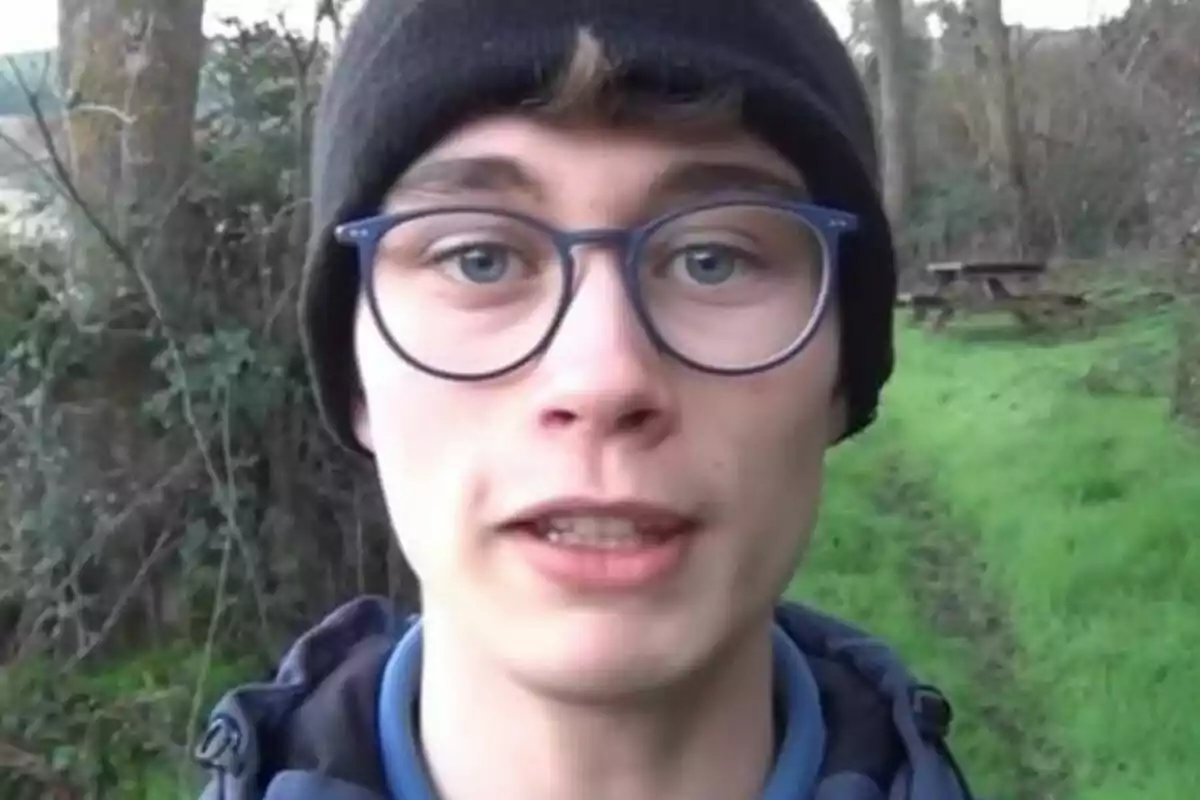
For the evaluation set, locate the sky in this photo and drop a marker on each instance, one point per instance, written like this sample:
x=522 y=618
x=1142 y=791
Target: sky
x=35 y=26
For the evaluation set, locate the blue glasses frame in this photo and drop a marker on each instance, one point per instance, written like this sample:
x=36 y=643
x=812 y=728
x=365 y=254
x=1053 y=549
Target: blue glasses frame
x=830 y=224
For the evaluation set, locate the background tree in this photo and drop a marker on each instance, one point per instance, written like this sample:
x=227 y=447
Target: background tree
x=164 y=483
x=129 y=70
x=897 y=108
x=1008 y=146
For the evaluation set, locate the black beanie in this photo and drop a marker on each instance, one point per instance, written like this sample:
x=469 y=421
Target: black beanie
x=410 y=71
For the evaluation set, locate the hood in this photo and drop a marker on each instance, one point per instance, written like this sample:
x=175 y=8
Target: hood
x=310 y=734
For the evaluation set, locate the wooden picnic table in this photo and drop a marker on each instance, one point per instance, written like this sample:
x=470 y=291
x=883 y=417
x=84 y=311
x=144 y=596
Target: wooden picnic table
x=1014 y=287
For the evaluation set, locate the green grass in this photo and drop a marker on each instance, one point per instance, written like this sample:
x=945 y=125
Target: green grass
x=1081 y=506
x=121 y=726
x=860 y=568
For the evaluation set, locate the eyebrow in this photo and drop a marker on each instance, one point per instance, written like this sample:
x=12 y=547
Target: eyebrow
x=447 y=176
x=693 y=180
x=688 y=180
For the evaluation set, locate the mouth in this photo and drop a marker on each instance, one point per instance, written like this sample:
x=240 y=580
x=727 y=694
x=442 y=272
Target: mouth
x=607 y=546
x=601 y=525
x=603 y=532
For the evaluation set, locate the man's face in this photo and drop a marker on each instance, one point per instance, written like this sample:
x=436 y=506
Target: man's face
x=602 y=422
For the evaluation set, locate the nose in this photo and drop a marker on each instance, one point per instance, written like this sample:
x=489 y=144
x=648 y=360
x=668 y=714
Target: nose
x=602 y=378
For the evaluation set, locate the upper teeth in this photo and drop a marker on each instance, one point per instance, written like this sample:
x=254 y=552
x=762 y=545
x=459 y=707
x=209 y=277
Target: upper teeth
x=606 y=532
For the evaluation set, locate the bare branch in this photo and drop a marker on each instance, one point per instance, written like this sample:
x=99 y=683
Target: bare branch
x=331 y=10
x=209 y=641
x=107 y=527
x=32 y=161
x=162 y=549
x=19 y=75
x=63 y=174
x=98 y=108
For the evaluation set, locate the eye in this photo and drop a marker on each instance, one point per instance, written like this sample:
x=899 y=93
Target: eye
x=479 y=263
x=708 y=265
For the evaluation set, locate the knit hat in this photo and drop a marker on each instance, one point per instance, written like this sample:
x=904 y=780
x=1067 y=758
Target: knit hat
x=410 y=71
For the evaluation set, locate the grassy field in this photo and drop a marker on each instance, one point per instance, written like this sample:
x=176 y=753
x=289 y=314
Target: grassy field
x=1019 y=527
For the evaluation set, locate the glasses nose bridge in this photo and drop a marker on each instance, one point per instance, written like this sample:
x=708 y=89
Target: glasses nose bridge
x=623 y=243
x=619 y=240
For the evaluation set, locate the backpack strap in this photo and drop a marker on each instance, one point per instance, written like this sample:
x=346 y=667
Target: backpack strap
x=860 y=736
x=882 y=722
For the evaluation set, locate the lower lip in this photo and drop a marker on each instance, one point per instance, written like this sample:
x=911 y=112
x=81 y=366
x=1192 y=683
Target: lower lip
x=600 y=569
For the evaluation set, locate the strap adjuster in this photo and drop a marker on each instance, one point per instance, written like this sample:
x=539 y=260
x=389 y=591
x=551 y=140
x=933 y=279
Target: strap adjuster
x=221 y=747
x=932 y=712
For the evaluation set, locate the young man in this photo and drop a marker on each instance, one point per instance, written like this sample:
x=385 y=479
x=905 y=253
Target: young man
x=596 y=285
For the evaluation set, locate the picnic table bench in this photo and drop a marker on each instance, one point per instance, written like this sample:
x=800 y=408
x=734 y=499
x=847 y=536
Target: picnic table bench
x=1013 y=287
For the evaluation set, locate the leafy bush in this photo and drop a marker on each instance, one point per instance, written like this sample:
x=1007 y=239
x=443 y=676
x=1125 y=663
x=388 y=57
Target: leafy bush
x=114 y=729
x=164 y=482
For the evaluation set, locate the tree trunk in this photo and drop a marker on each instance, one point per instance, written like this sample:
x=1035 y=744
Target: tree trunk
x=131 y=71
x=91 y=56
x=1185 y=398
x=896 y=109
x=1008 y=149
x=165 y=47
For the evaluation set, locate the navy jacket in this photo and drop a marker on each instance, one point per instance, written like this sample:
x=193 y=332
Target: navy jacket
x=311 y=733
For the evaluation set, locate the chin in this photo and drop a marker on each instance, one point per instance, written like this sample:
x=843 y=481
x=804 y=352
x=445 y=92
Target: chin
x=607 y=679
x=607 y=658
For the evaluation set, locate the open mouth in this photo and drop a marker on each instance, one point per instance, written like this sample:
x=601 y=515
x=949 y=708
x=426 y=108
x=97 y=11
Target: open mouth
x=605 y=551
x=603 y=533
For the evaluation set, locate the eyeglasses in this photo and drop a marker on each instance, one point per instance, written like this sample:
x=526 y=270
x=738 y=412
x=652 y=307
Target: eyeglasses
x=470 y=293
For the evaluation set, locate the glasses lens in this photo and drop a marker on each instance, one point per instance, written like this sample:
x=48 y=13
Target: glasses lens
x=733 y=286
x=467 y=293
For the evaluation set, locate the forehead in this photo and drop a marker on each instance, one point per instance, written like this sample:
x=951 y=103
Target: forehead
x=544 y=161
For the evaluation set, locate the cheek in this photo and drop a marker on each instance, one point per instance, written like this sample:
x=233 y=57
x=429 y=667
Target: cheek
x=793 y=407
x=412 y=420
x=804 y=400
x=424 y=434
x=771 y=439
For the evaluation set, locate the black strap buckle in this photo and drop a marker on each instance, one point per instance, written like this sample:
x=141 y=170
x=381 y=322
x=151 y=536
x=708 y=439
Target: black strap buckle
x=932 y=712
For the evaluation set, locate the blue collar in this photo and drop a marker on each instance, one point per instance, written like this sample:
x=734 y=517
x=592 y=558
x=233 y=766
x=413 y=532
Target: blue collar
x=793 y=777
